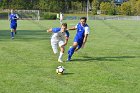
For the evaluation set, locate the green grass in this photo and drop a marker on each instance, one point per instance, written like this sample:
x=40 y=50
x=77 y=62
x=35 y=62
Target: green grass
x=109 y=63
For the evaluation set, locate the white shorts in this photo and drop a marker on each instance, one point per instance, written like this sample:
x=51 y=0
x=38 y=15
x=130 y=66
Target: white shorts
x=55 y=44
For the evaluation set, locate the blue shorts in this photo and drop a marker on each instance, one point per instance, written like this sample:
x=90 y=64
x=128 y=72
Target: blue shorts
x=13 y=26
x=79 y=41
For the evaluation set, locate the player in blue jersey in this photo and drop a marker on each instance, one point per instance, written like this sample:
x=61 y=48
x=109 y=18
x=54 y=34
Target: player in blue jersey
x=60 y=37
x=13 y=23
x=80 y=37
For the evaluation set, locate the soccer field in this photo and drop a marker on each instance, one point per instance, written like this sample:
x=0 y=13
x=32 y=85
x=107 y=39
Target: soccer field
x=109 y=63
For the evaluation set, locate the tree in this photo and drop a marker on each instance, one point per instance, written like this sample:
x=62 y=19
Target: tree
x=105 y=7
x=133 y=7
x=95 y=6
x=138 y=7
x=43 y=5
x=16 y=4
x=5 y=4
x=126 y=8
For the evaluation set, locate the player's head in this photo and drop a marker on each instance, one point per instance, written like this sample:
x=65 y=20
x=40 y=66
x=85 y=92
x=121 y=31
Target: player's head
x=83 y=20
x=64 y=27
x=12 y=11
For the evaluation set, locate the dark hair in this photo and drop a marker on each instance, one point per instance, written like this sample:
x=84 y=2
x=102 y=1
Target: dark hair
x=64 y=24
x=83 y=18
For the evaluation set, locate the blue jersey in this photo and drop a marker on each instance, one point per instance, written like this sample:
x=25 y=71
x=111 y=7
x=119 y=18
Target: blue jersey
x=12 y=18
x=81 y=31
x=13 y=21
x=58 y=35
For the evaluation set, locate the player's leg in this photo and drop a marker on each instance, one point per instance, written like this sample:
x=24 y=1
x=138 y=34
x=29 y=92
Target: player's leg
x=15 y=27
x=62 y=49
x=54 y=46
x=71 y=50
x=79 y=46
x=12 y=31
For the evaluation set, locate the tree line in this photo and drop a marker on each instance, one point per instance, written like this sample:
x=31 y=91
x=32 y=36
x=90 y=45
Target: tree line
x=107 y=7
x=131 y=8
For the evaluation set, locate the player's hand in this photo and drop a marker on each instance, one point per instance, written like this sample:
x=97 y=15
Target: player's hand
x=64 y=44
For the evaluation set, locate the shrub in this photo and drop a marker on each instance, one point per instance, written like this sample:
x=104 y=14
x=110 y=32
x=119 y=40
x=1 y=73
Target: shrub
x=49 y=16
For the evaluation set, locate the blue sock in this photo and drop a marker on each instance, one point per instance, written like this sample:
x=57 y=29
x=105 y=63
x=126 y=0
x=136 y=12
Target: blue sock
x=12 y=34
x=70 y=52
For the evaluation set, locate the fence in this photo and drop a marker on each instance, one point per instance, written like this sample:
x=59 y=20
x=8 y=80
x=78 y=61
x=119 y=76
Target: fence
x=104 y=18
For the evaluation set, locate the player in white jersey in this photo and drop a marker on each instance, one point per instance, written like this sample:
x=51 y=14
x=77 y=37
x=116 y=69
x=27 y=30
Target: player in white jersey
x=60 y=37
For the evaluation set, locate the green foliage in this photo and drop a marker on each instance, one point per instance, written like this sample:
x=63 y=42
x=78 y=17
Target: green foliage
x=43 y=5
x=126 y=8
x=49 y=16
x=105 y=7
x=137 y=7
x=131 y=7
x=95 y=5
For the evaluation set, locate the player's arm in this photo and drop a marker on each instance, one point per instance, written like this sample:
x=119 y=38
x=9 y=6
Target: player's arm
x=66 y=41
x=66 y=38
x=49 y=30
x=17 y=17
x=85 y=36
x=85 y=40
x=73 y=28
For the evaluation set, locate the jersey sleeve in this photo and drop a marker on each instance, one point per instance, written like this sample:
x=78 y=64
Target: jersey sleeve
x=67 y=34
x=76 y=26
x=87 y=30
x=17 y=16
x=55 y=30
x=11 y=17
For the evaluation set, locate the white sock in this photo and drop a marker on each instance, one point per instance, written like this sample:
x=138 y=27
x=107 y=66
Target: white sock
x=60 y=55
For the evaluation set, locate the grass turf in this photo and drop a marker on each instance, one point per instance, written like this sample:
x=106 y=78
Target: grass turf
x=109 y=63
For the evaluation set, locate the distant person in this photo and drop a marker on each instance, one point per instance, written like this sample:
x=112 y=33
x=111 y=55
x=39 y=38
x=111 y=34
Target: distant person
x=59 y=38
x=13 y=17
x=57 y=16
x=61 y=17
x=80 y=37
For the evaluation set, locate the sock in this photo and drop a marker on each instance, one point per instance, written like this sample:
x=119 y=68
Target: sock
x=12 y=34
x=70 y=52
x=60 y=55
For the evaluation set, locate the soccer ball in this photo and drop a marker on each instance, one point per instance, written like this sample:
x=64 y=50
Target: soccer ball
x=60 y=70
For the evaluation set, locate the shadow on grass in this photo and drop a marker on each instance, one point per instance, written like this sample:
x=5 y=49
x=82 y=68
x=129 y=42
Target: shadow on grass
x=68 y=73
x=25 y=35
x=113 y=58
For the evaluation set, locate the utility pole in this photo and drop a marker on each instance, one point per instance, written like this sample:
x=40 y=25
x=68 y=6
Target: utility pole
x=87 y=8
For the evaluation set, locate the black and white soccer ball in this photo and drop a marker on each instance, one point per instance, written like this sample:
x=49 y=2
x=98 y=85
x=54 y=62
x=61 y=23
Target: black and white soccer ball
x=60 y=70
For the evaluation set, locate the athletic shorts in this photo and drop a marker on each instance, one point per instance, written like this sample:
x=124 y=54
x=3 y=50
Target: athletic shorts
x=55 y=45
x=79 y=41
x=13 y=26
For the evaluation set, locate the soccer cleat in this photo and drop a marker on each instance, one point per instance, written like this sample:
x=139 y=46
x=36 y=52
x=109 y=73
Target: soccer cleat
x=68 y=60
x=12 y=37
x=59 y=60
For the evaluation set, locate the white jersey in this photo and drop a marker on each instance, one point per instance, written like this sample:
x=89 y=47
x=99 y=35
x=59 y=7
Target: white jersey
x=58 y=38
x=58 y=35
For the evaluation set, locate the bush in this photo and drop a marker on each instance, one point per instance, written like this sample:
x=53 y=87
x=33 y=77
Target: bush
x=49 y=16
